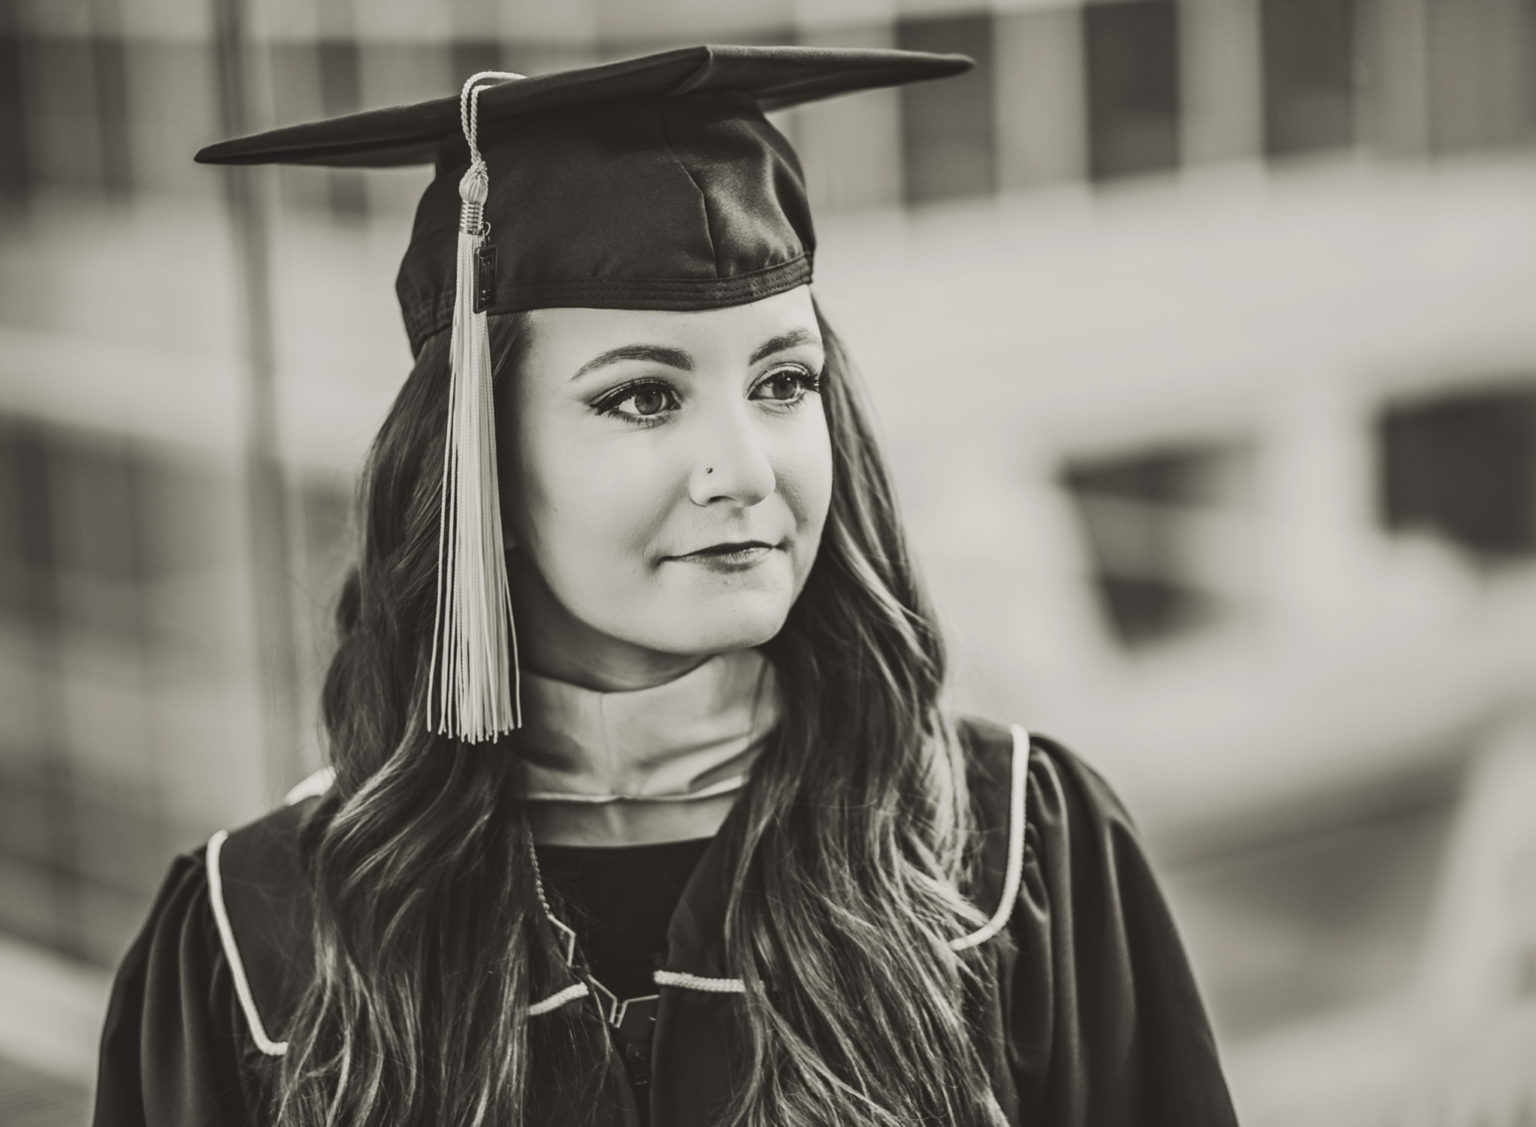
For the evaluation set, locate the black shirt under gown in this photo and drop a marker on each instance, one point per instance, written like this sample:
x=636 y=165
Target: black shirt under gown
x=619 y=900
x=1093 y=1019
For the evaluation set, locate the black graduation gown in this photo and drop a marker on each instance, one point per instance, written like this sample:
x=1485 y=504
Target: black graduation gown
x=1092 y=1018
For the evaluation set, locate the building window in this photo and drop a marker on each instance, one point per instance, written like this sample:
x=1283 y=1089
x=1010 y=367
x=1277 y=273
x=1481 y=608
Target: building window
x=1133 y=87
x=58 y=94
x=1309 y=63
x=1463 y=466
x=26 y=533
x=949 y=129
x=471 y=56
x=1169 y=534
x=1041 y=98
x=1482 y=54
x=113 y=112
x=341 y=93
x=15 y=175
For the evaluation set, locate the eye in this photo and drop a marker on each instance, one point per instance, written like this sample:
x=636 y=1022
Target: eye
x=787 y=386
x=651 y=401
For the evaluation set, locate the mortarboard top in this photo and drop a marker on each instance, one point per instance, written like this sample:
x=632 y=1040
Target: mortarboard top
x=774 y=77
x=650 y=183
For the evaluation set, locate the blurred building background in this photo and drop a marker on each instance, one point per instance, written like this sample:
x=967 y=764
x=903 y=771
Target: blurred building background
x=1203 y=334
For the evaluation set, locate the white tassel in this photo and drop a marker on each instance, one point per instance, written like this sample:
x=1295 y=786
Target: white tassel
x=474 y=679
x=474 y=641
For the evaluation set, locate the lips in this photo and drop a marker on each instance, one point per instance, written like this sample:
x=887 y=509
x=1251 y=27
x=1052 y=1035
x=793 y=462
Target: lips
x=725 y=548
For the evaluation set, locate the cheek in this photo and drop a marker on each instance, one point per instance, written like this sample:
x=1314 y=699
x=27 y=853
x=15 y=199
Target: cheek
x=593 y=511
x=804 y=476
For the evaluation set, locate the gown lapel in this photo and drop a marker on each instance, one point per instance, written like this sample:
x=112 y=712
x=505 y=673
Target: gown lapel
x=699 y=1045
x=700 y=1048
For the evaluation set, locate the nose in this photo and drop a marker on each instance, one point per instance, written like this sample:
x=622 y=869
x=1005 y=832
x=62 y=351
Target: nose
x=730 y=462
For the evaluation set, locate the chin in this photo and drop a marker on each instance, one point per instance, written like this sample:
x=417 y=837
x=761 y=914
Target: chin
x=716 y=626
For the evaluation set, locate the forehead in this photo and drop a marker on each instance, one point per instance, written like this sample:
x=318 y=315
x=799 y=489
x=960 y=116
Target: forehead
x=569 y=335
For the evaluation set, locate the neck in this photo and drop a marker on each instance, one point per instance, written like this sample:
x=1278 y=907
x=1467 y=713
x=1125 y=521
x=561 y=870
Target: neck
x=636 y=766
x=606 y=670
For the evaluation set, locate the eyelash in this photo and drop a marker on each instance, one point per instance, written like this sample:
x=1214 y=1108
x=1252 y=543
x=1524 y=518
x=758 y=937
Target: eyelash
x=808 y=381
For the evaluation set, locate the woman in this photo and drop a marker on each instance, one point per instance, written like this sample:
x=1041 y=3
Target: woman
x=691 y=840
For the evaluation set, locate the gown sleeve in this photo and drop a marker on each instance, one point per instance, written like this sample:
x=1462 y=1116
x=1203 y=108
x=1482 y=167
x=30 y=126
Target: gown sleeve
x=1109 y=1029
x=174 y=1042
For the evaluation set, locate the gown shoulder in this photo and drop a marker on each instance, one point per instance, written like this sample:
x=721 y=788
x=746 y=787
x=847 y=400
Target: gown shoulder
x=192 y=1026
x=1101 y=1019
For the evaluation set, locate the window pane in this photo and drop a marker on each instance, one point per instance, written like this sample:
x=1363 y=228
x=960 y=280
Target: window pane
x=62 y=127
x=1170 y=535
x=1482 y=56
x=1133 y=87
x=1042 y=120
x=340 y=93
x=949 y=132
x=1464 y=467
x=14 y=172
x=114 y=112
x=27 y=547
x=1309 y=98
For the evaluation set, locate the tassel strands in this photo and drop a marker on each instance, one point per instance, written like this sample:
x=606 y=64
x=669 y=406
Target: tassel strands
x=472 y=691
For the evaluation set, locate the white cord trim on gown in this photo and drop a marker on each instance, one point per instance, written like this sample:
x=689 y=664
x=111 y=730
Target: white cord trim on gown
x=688 y=981
x=1012 y=877
x=232 y=952
x=555 y=1001
x=1015 y=871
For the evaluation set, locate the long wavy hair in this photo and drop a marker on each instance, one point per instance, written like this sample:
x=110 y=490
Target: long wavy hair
x=851 y=866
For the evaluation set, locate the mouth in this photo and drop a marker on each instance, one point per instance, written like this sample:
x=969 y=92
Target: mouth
x=729 y=548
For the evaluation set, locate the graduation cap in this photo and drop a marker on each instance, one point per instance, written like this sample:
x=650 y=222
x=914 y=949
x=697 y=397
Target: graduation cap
x=650 y=183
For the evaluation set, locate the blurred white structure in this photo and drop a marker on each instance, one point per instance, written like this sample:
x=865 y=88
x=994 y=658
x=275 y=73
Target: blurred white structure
x=1457 y=1047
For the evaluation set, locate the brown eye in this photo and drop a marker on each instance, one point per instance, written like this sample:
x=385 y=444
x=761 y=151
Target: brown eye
x=783 y=384
x=643 y=403
x=649 y=401
x=787 y=385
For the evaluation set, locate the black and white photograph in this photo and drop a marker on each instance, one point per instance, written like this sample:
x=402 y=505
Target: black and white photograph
x=767 y=563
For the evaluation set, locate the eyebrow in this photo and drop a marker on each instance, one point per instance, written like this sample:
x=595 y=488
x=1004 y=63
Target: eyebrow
x=791 y=339
x=655 y=353
x=677 y=358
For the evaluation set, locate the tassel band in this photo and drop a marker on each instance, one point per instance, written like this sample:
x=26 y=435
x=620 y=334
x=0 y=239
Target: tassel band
x=473 y=190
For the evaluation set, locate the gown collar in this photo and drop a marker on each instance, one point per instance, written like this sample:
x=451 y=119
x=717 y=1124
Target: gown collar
x=647 y=765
